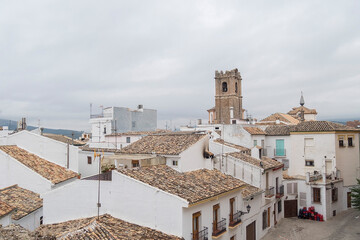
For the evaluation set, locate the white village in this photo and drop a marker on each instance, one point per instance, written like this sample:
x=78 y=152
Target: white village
x=230 y=177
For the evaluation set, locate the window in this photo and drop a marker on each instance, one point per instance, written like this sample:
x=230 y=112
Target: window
x=215 y=217
x=175 y=162
x=41 y=220
x=233 y=121
x=89 y=159
x=133 y=124
x=350 y=142
x=316 y=195
x=128 y=139
x=232 y=201
x=279 y=207
x=334 y=194
x=280 y=147
x=341 y=141
x=255 y=143
x=196 y=225
x=104 y=130
x=224 y=87
x=135 y=163
x=236 y=88
x=292 y=188
x=309 y=163
x=303 y=199
x=286 y=163
x=264 y=219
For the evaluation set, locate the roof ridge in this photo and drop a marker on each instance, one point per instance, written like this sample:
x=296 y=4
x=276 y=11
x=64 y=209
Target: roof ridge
x=6 y=188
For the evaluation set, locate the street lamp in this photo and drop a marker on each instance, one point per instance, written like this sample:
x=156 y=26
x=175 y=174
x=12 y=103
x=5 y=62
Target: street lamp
x=248 y=207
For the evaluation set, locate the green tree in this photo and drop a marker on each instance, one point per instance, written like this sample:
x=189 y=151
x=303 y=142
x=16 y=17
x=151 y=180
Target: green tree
x=355 y=195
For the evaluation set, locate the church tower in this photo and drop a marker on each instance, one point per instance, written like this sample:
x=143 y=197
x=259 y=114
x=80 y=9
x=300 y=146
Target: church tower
x=228 y=98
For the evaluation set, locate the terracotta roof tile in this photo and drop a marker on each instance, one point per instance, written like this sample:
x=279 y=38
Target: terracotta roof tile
x=265 y=162
x=141 y=133
x=5 y=208
x=281 y=117
x=321 y=126
x=107 y=227
x=192 y=186
x=48 y=170
x=25 y=201
x=276 y=130
x=64 y=139
x=168 y=144
x=296 y=110
x=254 y=130
x=235 y=146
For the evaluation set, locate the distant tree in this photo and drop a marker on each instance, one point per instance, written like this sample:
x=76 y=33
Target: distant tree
x=355 y=195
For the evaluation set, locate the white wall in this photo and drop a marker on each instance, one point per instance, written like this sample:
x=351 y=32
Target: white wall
x=193 y=158
x=47 y=148
x=5 y=220
x=76 y=200
x=86 y=169
x=236 y=134
x=31 y=221
x=13 y=172
x=136 y=202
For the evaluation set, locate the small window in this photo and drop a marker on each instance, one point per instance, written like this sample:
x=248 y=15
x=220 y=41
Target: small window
x=316 y=195
x=341 y=141
x=89 y=159
x=233 y=121
x=41 y=220
x=309 y=163
x=236 y=87
x=255 y=143
x=104 y=130
x=286 y=163
x=350 y=142
x=279 y=207
x=217 y=128
x=128 y=139
x=334 y=213
x=133 y=124
x=224 y=87
x=334 y=194
x=175 y=162
x=135 y=163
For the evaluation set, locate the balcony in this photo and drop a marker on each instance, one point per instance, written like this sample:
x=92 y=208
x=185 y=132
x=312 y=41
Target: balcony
x=280 y=191
x=202 y=235
x=219 y=228
x=235 y=219
x=269 y=192
x=280 y=152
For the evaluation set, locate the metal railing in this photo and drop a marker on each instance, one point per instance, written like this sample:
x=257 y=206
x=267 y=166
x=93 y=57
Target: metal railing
x=219 y=227
x=269 y=192
x=235 y=218
x=280 y=152
x=280 y=191
x=202 y=235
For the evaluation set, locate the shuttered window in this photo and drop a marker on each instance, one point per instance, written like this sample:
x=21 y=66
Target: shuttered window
x=264 y=216
x=316 y=195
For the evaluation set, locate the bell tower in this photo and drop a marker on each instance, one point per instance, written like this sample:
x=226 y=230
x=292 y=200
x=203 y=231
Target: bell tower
x=228 y=98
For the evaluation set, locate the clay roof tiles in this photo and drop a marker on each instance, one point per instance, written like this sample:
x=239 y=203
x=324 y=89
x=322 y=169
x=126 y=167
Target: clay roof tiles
x=193 y=186
x=281 y=117
x=278 y=130
x=64 y=139
x=235 y=146
x=5 y=208
x=25 y=201
x=141 y=133
x=167 y=144
x=321 y=126
x=306 y=110
x=50 y=171
x=265 y=162
x=107 y=227
x=254 y=130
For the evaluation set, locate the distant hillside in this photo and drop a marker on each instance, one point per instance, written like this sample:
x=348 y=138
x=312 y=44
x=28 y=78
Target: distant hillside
x=13 y=124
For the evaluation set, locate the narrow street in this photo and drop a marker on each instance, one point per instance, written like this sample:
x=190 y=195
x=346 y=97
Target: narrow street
x=346 y=225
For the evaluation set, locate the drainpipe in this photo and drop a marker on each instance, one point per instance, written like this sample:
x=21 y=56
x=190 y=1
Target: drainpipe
x=68 y=155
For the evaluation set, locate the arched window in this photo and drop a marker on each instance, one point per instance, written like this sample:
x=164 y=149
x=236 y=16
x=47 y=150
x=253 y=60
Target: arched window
x=236 y=87
x=224 y=87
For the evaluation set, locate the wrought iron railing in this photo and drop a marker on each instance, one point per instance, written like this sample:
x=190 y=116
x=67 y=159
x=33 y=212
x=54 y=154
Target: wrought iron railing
x=219 y=227
x=269 y=192
x=202 y=235
x=235 y=218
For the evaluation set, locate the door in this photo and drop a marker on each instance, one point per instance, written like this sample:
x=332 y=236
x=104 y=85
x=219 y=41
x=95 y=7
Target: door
x=268 y=216
x=275 y=214
x=349 y=199
x=251 y=231
x=215 y=217
x=280 y=149
x=267 y=180
x=290 y=208
x=232 y=200
x=196 y=225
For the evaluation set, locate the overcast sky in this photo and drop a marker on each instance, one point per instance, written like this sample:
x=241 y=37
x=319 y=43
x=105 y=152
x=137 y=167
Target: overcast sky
x=57 y=57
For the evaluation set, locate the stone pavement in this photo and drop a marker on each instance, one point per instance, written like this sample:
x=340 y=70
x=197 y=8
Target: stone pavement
x=345 y=225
